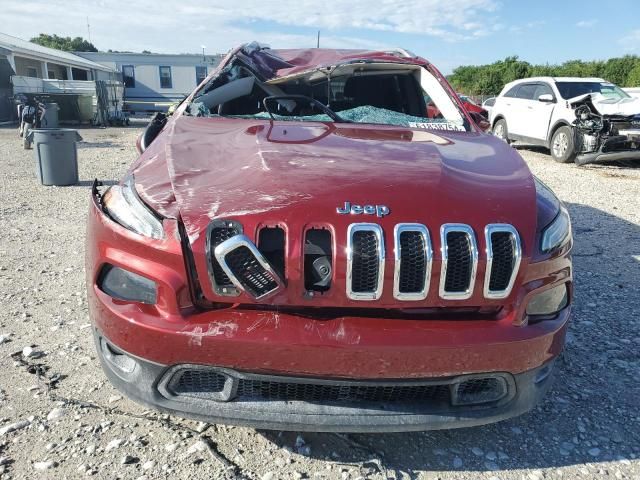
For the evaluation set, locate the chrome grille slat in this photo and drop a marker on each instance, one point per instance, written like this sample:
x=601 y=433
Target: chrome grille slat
x=413 y=256
x=247 y=268
x=504 y=254
x=458 y=274
x=365 y=261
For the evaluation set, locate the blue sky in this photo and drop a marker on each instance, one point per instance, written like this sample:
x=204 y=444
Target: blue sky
x=447 y=32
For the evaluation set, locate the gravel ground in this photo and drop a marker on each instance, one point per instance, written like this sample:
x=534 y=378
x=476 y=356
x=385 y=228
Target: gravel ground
x=588 y=427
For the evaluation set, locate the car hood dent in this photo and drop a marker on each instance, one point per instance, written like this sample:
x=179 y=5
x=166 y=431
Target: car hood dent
x=609 y=106
x=227 y=168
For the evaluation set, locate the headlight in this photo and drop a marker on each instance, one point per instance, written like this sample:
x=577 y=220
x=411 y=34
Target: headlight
x=125 y=285
x=122 y=204
x=548 y=302
x=558 y=232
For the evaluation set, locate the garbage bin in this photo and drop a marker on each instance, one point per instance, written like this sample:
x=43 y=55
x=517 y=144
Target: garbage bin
x=56 y=155
x=50 y=115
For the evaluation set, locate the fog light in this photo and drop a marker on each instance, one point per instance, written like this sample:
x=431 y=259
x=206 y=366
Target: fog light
x=548 y=302
x=124 y=285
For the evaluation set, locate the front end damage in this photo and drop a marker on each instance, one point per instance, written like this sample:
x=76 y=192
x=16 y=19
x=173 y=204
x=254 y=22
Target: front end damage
x=604 y=137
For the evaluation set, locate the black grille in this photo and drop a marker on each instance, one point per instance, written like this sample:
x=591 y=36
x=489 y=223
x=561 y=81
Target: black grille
x=208 y=383
x=365 y=264
x=249 y=272
x=481 y=390
x=413 y=262
x=310 y=392
x=459 y=262
x=197 y=382
x=503 y=248
x=218 y=235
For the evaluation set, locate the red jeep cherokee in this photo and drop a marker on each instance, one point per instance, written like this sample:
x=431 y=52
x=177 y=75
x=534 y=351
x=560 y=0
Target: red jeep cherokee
x=300 y=247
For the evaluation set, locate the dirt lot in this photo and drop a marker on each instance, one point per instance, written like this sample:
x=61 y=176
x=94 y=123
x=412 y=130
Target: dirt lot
x=589 y=427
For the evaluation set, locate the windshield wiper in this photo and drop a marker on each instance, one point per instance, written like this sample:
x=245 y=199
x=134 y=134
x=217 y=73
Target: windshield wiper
x=312 y=101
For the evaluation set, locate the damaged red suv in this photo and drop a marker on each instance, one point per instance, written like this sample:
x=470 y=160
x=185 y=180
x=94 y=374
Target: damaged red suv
x=299 y=247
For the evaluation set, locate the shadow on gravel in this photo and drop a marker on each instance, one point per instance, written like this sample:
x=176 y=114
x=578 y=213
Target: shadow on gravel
x=616 y=164
x=591 y=413
x=103 y=144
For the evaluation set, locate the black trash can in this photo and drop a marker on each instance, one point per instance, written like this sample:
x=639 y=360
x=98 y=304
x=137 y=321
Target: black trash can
x=56 y=155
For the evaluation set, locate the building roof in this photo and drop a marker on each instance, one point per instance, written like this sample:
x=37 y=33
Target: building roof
x=23 y=47
x=136 y=58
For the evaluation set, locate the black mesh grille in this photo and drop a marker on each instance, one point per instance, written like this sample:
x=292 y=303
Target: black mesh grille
x=317 y=393
x=503 y=247
x=198 y=382
x=481 y=390
x=208 y=383
x=219 y=235
x=459 y=262
x=365 y=265
x=413 y=262
x=246 y=268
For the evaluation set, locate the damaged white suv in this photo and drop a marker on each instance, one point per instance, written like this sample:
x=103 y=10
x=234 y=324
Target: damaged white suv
x=585 y=120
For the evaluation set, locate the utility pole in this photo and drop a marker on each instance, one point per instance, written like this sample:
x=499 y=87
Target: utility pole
x=204 y=59
x=88 y=29
x=318 y=43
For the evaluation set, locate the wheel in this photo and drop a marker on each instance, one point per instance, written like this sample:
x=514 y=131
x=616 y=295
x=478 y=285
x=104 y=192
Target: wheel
x=500 y=130
x=562 y=145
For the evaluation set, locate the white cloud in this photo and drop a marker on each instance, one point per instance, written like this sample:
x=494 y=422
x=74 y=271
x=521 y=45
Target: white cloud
x=587 y=23
x=174 y=27
x=631 y=41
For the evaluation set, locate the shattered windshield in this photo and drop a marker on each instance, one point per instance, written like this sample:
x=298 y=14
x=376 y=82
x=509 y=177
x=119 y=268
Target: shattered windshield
x=372 y=93
x=575 y=89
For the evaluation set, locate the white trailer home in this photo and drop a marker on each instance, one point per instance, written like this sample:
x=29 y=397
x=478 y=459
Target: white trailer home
x=67 y=79
x=154 y=81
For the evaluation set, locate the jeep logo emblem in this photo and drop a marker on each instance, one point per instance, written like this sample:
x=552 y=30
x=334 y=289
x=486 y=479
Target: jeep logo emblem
x=378 y=210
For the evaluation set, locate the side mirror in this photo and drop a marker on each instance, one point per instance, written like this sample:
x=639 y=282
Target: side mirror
x=481 y=121
x=546 y=98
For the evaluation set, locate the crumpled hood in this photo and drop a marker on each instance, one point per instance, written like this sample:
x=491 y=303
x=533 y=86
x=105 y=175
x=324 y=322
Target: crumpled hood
x=293 y=172
x=610 y=106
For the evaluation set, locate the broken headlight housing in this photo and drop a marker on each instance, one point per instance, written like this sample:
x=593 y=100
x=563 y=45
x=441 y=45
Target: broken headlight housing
x=122 y=204
x=558 y=232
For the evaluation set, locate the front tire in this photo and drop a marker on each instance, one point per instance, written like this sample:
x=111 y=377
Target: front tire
x=500 y=130
x=563 y=149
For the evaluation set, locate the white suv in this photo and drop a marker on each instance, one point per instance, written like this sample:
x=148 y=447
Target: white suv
x=542 y=111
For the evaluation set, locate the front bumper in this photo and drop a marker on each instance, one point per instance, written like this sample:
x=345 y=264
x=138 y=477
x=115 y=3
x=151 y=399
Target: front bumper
x=616 y=148
x=146 y=382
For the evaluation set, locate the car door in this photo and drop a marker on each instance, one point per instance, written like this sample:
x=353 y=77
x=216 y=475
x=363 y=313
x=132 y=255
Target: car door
x=539 y=112
x=520 y=106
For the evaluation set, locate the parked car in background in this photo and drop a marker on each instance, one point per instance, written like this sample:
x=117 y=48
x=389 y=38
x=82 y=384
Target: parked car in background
x=488 y=105
x=301 y=251
x=579 y=119
x=472 y=106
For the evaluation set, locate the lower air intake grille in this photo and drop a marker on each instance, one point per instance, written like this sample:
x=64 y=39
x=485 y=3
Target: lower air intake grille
x=459 y=262
x=335 y=393
x=249 y=272
x=413 y=262
x=208 y=383
x=503 y=245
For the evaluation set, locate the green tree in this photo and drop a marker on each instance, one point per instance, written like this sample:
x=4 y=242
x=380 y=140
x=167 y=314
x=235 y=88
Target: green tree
x=68 y=44
x=489 y=79
x=633 y=79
